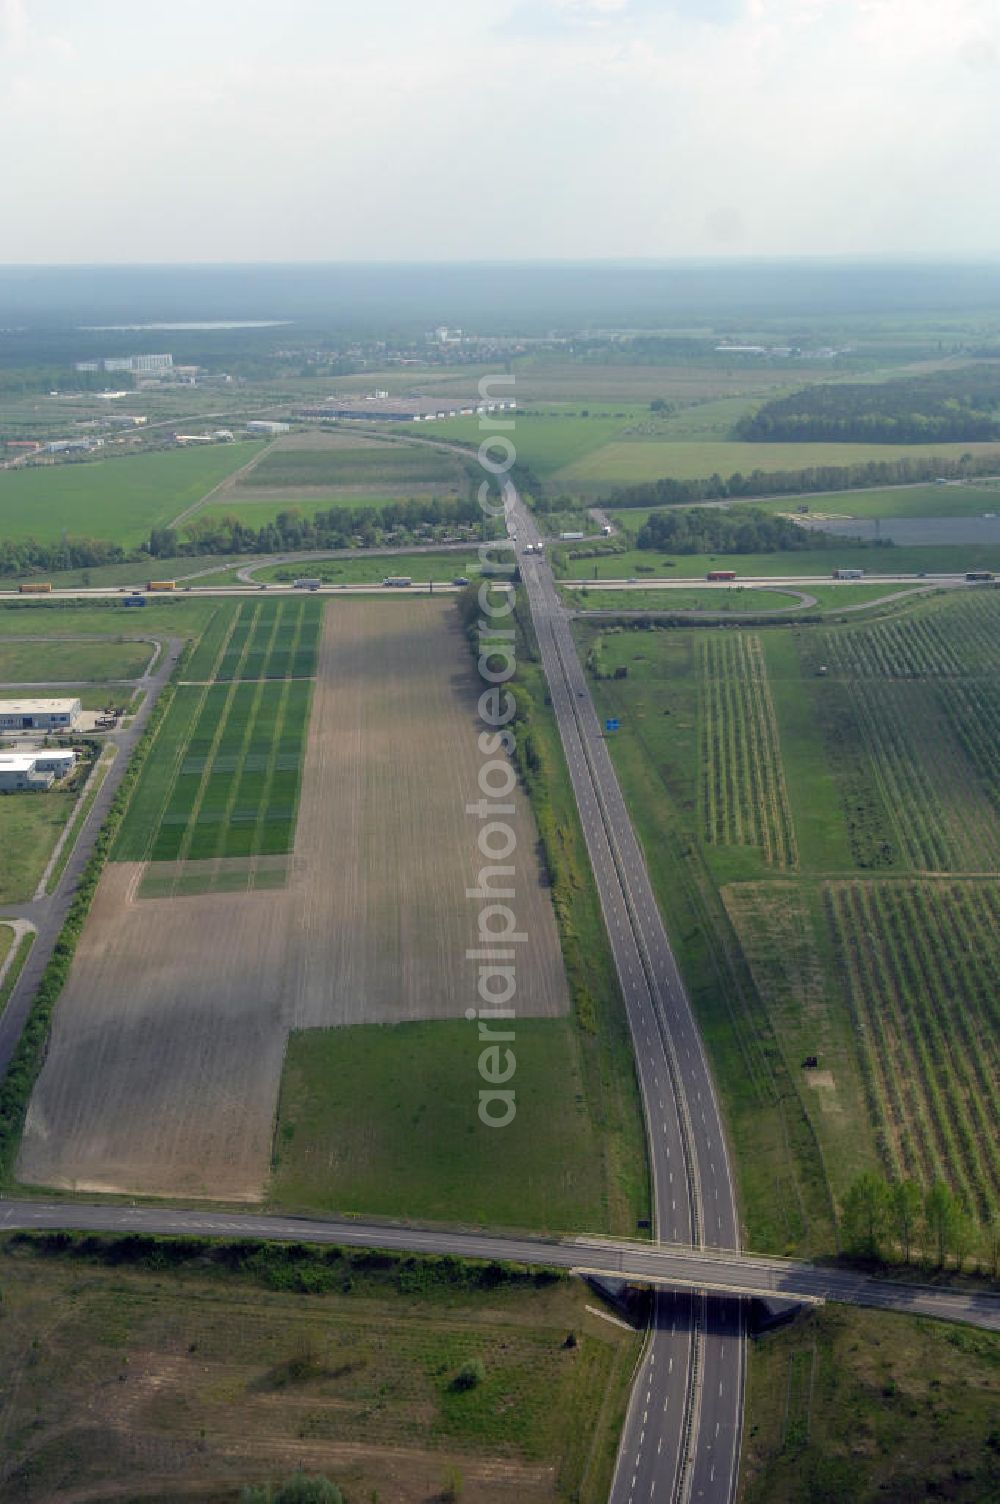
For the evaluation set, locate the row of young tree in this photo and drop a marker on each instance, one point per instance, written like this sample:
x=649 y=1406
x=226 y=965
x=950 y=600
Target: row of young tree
x=952 y=406
x=704 y=531
x=890 y=1220
x=906 y=470
x=292 y=529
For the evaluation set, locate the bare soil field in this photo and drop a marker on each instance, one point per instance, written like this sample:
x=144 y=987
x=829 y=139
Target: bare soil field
x=165 y=1060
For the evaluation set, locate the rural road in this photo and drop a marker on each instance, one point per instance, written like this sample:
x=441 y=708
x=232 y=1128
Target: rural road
x=673 y=1267
x=49 y=914
x=683 y=1429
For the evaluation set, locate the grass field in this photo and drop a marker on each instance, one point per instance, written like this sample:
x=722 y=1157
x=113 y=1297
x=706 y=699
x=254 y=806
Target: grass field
x=71 y=662
x=191 y=1382
x=30 y=826
x=177 y=617
x=739 y=600
x=627 y=462
x=547 y=441
x=385 y=1120
x=970 y=500
x=371 y=569
x=133 y=576
x=6 y=941
x=333 y=465
x=845 y=1405
x=118 y=499
x=258 y=511
x=939 y=559
x=737 y=753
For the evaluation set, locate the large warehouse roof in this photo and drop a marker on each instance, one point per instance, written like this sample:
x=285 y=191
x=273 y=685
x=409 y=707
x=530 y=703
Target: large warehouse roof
x=38 y=707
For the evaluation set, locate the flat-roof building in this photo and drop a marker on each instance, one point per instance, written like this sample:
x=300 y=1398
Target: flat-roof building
x=19 y=772
x=39 y=715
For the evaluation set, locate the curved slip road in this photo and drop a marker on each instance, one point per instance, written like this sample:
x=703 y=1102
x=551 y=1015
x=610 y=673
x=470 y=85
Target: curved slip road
x=683 y=1430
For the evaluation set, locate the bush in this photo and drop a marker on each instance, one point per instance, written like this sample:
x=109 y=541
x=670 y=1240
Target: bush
x=470 y=1375
x=300 y=1489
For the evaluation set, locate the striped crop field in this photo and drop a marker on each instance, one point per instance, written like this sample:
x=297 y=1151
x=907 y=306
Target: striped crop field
x=743 y=795
x=272 y=639
x=925 y=705
x=224 y=777
x=919 y=961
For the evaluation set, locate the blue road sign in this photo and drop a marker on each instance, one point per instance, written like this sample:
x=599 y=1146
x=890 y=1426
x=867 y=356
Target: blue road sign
x=612 y=725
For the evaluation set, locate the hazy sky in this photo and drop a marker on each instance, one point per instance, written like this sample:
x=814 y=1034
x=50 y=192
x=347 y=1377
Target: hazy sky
x=203 y=130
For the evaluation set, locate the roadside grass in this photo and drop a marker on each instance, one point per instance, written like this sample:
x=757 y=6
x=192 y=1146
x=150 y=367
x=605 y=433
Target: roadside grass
x=740 y=600
x=865 y=1406
x=102 y=768
x=119 y=499
x=371 y=569
x=30 y=825
x=384 y=1120
x=626 y=462
x=16 y=965
x=949 y=558
x=6 y=941
x=131 y=576
x=69 y=662
x=237 y=1370
x=177 y=617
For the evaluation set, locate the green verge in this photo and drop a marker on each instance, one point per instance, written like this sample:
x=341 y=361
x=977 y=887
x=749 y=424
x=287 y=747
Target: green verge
x=784 y=1190
x=353 y=1353
x=23 y=1069
x=101 y=770
x=859 y=1406
x=16 y=966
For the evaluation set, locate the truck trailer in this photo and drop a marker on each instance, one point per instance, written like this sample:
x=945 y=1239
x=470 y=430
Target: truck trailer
x=155 y=586
x=721 y=574
x=35 y=587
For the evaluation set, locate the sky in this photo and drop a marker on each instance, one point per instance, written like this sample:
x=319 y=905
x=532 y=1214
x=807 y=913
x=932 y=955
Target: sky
x=442 y=130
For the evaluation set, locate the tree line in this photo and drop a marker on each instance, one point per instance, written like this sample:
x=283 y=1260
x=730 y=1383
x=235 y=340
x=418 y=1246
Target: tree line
x=955 y=406
x=711 y=531
x=885 y=1220
x=908 y=470
x=336 y=527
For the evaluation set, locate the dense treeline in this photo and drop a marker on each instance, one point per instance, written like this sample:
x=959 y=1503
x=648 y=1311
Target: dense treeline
x=337 y=527
x=883 y=1219
x=955 y=406
x=704 y=530
x=909 y=470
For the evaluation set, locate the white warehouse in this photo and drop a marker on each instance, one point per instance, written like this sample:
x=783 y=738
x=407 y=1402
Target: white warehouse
x=33 y=770
x=39 y=715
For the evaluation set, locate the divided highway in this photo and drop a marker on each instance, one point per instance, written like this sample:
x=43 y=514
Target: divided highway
x=683 y=1430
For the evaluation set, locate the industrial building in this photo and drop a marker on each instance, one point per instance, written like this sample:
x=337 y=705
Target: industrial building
x=260 y=426
x=39 y=715
x=33 y=770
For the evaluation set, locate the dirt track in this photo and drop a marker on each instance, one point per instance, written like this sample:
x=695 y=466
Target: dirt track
x=165 y=1060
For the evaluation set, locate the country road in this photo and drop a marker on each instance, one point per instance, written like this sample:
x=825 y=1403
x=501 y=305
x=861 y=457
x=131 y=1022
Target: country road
x=673 y=1267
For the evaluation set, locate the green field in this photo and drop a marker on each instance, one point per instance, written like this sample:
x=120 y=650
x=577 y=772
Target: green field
x=71 y=662
x=818 y=806
x=258 y=511
x=224 y=778
x=365 y=568
x=387 y=1117
x=175 y=617
x=546 y=442
x=968 y=500
x=949 y=558
x=628 y=462
x=30 y=826
x=742 y=601
x=118 y=499
x=845 y=1405
x=395 y=465
x=237 y=1363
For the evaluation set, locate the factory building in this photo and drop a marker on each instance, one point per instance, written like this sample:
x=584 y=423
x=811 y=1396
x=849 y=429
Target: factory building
x=260 y=426
x=39 y=715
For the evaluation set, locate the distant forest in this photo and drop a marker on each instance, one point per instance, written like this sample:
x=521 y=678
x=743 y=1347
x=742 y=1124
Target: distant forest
x=749 y=531
x=950 y=406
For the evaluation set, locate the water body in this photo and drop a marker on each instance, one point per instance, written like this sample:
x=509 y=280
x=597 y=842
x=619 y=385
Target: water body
x=916 y=531
x=205 y=324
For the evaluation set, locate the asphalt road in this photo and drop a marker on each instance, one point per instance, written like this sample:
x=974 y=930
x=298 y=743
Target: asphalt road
x=678 y=1268
x=683 y=1429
